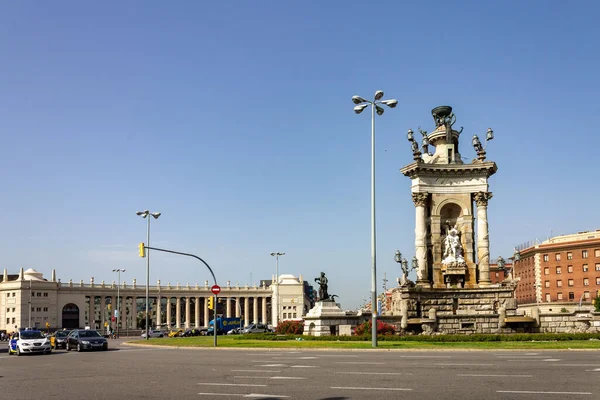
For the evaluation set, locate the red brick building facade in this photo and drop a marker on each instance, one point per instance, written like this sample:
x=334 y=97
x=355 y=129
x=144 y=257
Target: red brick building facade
x=561 y=269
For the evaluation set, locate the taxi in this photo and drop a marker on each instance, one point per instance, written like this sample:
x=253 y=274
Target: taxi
x=29 y=342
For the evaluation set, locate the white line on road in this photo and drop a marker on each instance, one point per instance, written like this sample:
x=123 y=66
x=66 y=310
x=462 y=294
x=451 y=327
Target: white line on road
x=271 y=365
x=374 y=373
x=497 y=375
x=575 y=365
x=465 y=364
x=359 y=362
x=251 y=395
x=255 y=370
x=232 y=384
x=533 y=392
x=366 y=388
x=293 y=358
x=305 y=366
x=270 y=377
x=425 y=356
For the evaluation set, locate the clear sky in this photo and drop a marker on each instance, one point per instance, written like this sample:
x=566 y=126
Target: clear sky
x=234 y=120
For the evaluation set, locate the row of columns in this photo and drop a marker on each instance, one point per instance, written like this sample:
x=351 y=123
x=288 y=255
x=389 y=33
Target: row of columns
x=251 y=315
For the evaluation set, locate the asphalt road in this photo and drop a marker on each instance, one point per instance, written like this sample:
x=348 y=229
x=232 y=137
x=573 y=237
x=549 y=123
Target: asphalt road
x=126 y=372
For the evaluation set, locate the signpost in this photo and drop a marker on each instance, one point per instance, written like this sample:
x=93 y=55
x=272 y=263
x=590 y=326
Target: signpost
x=215 y=289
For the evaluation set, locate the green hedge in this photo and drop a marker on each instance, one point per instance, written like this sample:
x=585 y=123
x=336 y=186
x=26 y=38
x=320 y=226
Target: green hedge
x=513 y=337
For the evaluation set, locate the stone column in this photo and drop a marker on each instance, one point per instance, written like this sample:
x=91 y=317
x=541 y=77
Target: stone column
x=483 y=237
x=246 y=311
x=158 y=311
x=133 y=313
x=188 y=315
x=123 y=313
x=169 y=318
x=91 y=312
x=206 y=312
x=197 y=312
x=264 y=310
x=102 y=312
x=420 y=200
x=228 y=307
x=113 y=307
x=178 y=312
x=255 y=310
x=238 y=306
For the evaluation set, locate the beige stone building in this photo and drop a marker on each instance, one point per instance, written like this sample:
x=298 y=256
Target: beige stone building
x=27 y=299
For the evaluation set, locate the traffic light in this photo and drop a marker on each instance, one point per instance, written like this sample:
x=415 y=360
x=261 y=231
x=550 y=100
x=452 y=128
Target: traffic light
x=142 y=250
x=211 y=304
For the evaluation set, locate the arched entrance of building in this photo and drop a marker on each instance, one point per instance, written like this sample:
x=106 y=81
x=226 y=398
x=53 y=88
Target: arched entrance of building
x=70 y=316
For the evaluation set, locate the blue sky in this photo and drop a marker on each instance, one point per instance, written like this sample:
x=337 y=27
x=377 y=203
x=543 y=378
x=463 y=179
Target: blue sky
x=234 y=120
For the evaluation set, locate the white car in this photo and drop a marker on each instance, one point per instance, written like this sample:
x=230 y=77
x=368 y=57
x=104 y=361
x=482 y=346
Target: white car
x=28 y=342
x=154 y=334
x=256 y=328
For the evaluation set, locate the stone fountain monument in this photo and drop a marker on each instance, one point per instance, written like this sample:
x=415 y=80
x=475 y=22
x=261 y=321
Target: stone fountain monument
x=453 y=290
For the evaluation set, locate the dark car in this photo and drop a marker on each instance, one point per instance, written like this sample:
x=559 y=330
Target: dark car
x=86 y=339
x=191 y=332
x=59 y=339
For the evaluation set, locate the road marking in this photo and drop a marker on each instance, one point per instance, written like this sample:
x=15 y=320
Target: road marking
x=597 y=369
x=305 y=366
x=232 y=384
x=367 y=388
x=269 y=377
x=425 y=356
x=339 y=355
x=550 y=359
x=450 y=364
x=271 y=365
x=533 y=392
x=294 y=358
x=575 y=365
x=359 y=362
x=251 y=395
x=498 y=375
x=255 y=370
x=374 y=373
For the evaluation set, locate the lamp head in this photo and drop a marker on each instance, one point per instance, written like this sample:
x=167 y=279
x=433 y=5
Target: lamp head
x=410 y=135
x=358 y=109
x=272 y=254
x=378 y=94
x=398 y=256
x=379 y=110
x=358 y=100
x=156 y=215
x=489 y=135
x=390 y=103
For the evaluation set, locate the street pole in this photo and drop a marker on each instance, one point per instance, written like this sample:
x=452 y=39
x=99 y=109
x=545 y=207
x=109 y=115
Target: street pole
x=361 y=105
x=30 y=303
x=278 y=298
x=117 y=309
x=155 y=215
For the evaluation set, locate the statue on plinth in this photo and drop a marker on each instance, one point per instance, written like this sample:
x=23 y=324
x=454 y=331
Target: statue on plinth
x=453 y=253
x=322 y=281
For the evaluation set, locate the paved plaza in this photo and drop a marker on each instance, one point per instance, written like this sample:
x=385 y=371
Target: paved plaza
x=127 y=372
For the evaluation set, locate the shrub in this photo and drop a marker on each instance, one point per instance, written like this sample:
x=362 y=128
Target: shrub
x=597 y=303
x=382 y=329
x=290 y=327
x=564 y=310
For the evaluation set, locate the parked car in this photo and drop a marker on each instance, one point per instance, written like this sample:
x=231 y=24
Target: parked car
x=256 y=328
x=176 y=333
x=59 y=339
x=235 y=331
x=27 y=342
x=154 y=333
x=191 y=332
x=86 y=339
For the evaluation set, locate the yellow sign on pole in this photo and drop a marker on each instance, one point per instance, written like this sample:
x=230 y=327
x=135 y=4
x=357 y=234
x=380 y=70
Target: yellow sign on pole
x=105 y=324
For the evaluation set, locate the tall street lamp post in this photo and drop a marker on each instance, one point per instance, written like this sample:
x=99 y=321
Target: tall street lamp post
x=147 y=214
x=361 y=104
x=117 y=311
x=276 y=255
x=30 y=305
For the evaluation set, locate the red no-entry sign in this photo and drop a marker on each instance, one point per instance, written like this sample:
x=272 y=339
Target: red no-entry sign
x=216 y=289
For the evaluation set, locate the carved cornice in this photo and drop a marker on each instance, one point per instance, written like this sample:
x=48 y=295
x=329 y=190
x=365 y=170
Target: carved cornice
x=481 y=198
x=420 y=199
x=417 y=169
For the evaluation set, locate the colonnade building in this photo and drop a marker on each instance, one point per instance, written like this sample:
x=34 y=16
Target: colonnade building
x=27 y=299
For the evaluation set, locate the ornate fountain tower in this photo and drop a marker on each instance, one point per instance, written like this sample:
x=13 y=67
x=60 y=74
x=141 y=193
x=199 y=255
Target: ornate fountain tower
x=444 y=191
x=453 y=291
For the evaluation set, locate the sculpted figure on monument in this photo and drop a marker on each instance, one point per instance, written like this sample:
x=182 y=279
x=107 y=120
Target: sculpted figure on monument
x=322 y=281
x=452 y=247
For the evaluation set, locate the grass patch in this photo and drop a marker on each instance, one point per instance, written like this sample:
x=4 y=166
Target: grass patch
x=246 y=341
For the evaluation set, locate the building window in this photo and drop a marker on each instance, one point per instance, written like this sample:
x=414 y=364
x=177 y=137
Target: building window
x=32 y=309
x=545 y=257
x=598 y=281
x=585 y=268
x=586 y=282
x=559 y=283
x=39 y=309
x=548 y=297
x=45 y=309
x=571 y=296
x=39 y=294
x=586 y=295
x=547 y=283
x=45 y=294
x=597 y=253
x=8 y=320
x=569 y=255
x=547 y=271
x=570 y=268
x=14 y=320
x=559 y=296
x=584 y=254
x=597 y=267
x=14 y=294
x=14 y=309
x=7 y=310
x=558 y=270
x=570 y=282
x=557 y=256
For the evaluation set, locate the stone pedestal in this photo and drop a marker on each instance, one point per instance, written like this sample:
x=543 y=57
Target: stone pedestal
x=324 y=319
